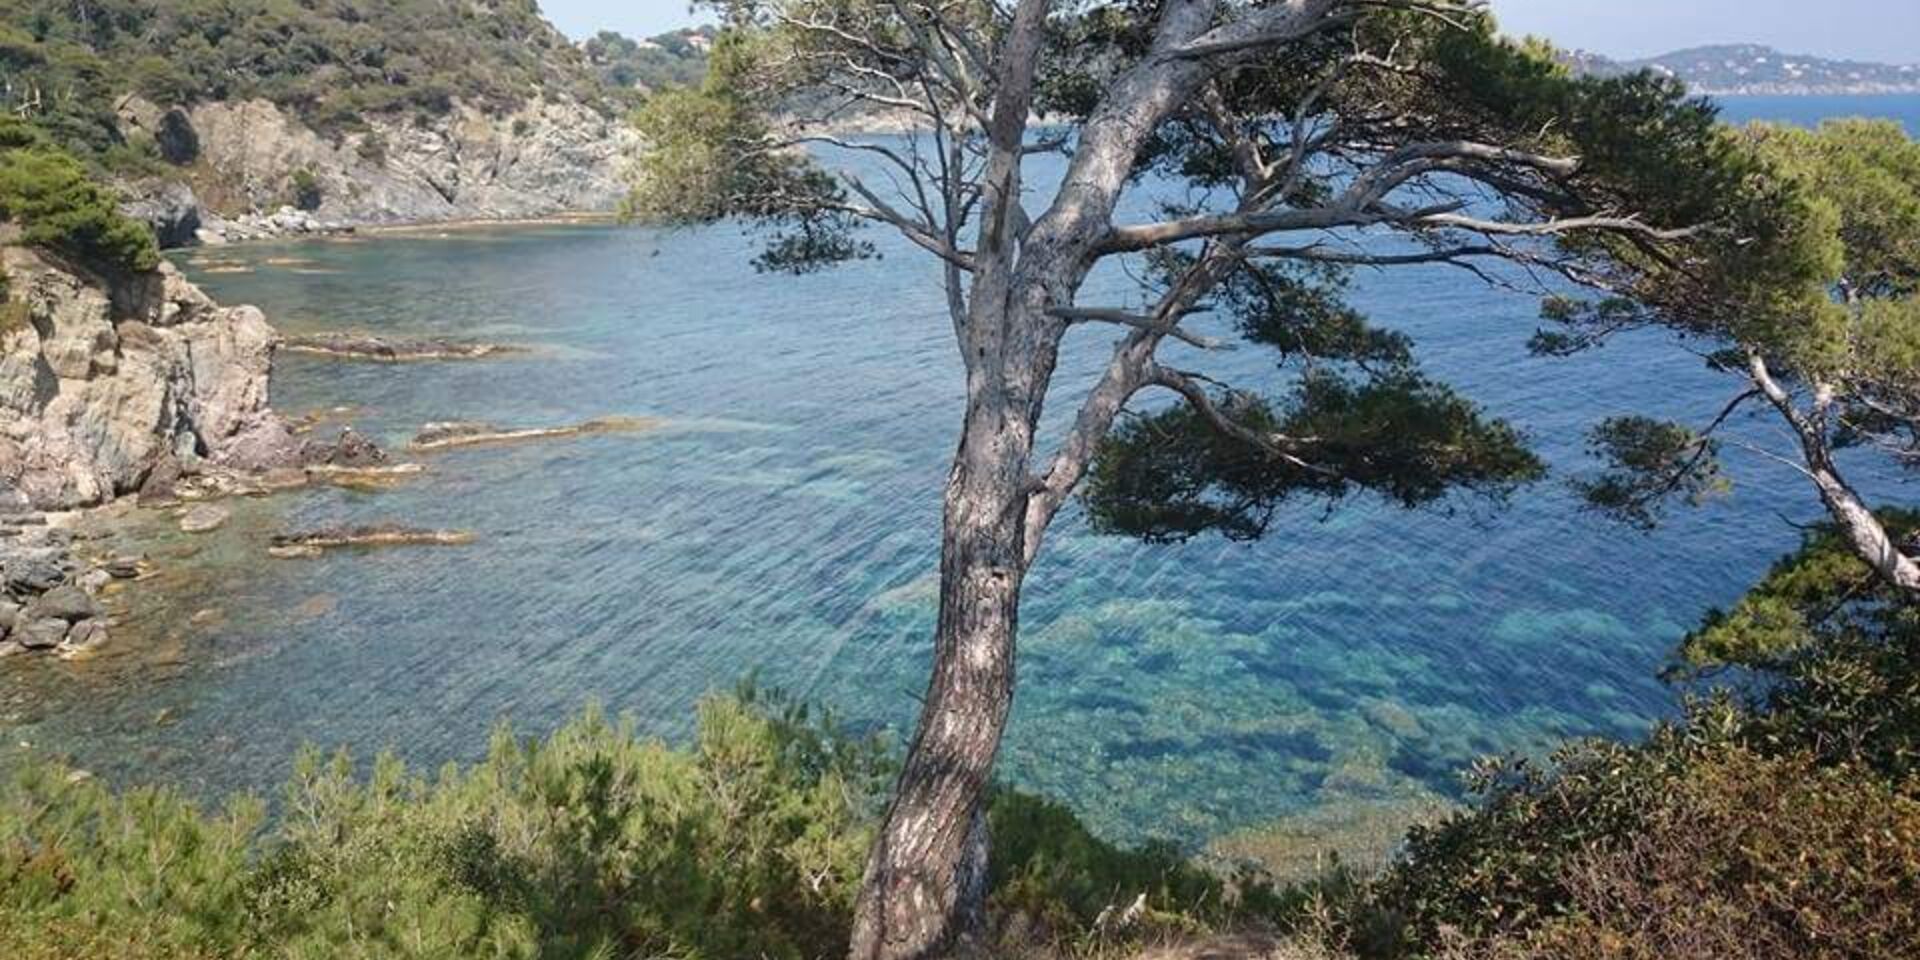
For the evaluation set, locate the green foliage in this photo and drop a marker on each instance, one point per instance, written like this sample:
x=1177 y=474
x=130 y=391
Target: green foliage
x=48 y=194
x=706 y=160
x=665 y=62
x=1172 y=475
x=306 y=189
x=591 y=843
x=1649 y=462
x=1815 y=271
x=1070 y=885
x=1749 y=856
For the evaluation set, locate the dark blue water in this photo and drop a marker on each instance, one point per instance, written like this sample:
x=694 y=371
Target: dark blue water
x=784 y=522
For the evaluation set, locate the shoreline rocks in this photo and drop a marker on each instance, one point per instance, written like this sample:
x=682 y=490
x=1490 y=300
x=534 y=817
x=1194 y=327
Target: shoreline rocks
x=49 y=595
x=363 y=346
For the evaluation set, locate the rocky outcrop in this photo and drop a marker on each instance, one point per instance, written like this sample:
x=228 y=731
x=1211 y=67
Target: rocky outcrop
x=173 y=211
x=250 y=159
x=108 y=382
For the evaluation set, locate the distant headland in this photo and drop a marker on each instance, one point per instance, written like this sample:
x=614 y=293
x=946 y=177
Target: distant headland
x=1749 y=69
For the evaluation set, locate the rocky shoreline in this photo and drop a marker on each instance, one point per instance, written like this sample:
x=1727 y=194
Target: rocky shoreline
x=50 y=591
x=140 y=393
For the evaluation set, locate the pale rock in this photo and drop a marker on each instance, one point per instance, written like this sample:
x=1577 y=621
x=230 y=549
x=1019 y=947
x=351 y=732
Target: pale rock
x=111 y=377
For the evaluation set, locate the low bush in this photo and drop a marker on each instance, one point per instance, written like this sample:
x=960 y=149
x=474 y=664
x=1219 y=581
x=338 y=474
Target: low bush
x=1750 y=856
x=591 y=843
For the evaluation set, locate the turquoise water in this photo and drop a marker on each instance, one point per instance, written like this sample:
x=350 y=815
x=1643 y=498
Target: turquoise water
x=783 y=521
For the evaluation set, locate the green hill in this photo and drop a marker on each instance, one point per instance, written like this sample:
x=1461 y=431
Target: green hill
x=65 y=63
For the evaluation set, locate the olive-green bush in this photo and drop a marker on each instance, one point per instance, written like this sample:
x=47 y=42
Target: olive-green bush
x=591 y=843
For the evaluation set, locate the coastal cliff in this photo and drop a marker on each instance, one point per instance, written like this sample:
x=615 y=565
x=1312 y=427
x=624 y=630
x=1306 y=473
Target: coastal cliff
x=253 y=117
x=105 y=380
x=251 y=168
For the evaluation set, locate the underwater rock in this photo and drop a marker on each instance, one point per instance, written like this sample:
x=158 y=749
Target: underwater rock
x=68 y=603
x=311 y=542
x=31 y=574
x=83 y=641
x=204 y=518
x=464 y=433
x=365 y=346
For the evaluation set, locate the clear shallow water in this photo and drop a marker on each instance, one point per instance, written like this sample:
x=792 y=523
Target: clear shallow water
x=784 y=521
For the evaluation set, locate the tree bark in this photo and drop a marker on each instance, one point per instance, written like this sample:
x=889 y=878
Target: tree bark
x=926 y=879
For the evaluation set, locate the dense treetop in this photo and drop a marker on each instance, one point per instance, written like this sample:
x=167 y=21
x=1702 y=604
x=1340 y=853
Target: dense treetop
x=665 y=61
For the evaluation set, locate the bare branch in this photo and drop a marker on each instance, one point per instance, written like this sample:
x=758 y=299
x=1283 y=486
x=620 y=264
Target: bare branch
x=1140 y=322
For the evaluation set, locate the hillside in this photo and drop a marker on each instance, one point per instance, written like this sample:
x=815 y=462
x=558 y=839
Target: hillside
x=355 y=111
x=1751 y=69
x=677 y=58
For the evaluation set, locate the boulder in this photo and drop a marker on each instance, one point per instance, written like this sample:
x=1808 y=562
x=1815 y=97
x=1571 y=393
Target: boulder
x=32 y=575
x=84 y=639
x=69 y=603
x=171 y=209
x=162 y=480
x=41 y=634
x=9 y=614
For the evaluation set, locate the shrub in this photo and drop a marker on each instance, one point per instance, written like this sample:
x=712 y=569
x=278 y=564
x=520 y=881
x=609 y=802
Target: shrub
x=590 y=843
x=48 y=193
x=1062 y=883
x=1750 y=856
x=306 y=189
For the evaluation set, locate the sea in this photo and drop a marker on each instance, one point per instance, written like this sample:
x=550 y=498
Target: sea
x=778 y=517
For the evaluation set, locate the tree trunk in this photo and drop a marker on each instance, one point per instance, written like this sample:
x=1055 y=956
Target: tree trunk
x=926 y=878
x=1862 y=529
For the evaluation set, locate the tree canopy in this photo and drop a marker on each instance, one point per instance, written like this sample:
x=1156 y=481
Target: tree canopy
x=1815 y=319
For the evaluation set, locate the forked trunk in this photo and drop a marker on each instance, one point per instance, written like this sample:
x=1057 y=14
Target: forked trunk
x=926 y=879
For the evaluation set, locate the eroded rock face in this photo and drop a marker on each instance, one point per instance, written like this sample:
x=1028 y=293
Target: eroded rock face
x=105 y=381
x=549 y=156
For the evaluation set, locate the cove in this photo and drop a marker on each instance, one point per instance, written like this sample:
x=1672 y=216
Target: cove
x=781 y=520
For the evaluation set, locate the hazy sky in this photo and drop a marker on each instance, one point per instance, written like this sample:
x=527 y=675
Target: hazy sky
x=1879 y=30
x=1884 y=30
x=635 y=18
